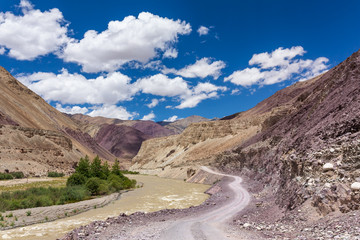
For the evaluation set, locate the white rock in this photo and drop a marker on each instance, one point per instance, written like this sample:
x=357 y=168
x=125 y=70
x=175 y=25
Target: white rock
x=246 y=225
x=355 y=186
x=328 y=166
x=327 y=185
x=332 y=150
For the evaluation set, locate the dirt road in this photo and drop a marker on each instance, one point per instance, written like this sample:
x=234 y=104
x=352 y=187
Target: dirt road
x=210 y=225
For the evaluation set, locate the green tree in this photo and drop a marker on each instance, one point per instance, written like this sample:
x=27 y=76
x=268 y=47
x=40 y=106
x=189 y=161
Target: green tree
x=84 y=167
x=106 y=170
x=116 y=168
x=96 y=168
x=76 y=179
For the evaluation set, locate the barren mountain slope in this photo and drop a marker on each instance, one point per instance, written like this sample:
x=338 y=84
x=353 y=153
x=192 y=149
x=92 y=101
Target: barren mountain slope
x=35 y=137
x=304 y=140
x=179 y=125
x=180 y=155
x=122 y=138
x=312 y=154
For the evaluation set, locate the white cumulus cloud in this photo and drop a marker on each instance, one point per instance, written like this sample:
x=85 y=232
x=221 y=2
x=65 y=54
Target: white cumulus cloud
x=200 y=69
x=202 y=30
x=171 y=119
x=71 y=109
x=34 y=33
x=279 y=57
x=148 y=117
x=170 y=53
x=178 y=88
x=111 y=111
x=154 y=103
x=69 y=88
x=199 y=93
x=132 y=39
x=277 y=66
x=162 y=85
x=26 y=5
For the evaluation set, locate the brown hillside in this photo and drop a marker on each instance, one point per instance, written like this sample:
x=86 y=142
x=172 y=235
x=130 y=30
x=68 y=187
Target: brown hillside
x=35 y=137
x=123 y=138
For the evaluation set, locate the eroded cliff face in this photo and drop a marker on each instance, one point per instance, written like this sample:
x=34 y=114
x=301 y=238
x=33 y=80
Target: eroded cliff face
x=312 y=153
x=35 y=151
x=303 y=141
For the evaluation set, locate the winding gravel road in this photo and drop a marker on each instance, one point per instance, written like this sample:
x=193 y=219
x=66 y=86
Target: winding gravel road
x=210 y=225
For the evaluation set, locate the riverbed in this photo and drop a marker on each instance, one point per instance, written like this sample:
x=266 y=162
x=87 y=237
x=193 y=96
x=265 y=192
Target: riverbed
x=156 y=194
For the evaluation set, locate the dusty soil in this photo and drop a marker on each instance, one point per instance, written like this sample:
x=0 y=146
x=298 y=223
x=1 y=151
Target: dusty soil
x=24 y=217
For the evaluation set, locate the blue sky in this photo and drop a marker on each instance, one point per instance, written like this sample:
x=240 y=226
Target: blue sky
x=162 y=60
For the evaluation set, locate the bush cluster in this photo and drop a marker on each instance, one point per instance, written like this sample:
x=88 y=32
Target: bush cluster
x=55 y=174
x=129 y=172
x=11 y=175
x=40 y=197
x=98 y=179
x=89 y=179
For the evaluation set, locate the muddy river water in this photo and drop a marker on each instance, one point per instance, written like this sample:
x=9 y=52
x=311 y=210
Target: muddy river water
x=156 y=194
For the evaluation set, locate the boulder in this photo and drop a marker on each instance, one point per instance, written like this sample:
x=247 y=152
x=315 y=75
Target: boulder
x=328 y=167
x=355 y=186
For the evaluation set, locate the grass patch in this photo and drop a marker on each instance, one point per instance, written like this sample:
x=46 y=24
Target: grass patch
x=61 y=182
x=129 y=172
x=41 y=197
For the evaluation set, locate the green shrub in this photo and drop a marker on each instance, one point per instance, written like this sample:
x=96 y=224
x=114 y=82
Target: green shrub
x=103 y=188
x=93 y=185
x=73 y=194
x=78 y=187
x=55 y=174
x=17 y=175
x=115 y=182
x=76 y=179
x=6 y=176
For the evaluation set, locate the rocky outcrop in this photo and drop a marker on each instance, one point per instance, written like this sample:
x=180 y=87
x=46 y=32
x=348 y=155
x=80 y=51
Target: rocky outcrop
x=311 y=152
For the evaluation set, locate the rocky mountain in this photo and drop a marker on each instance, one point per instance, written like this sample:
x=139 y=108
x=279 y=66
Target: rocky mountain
x=35 y=137
x=303 y=143
x=122 y=138
x=179 y=126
